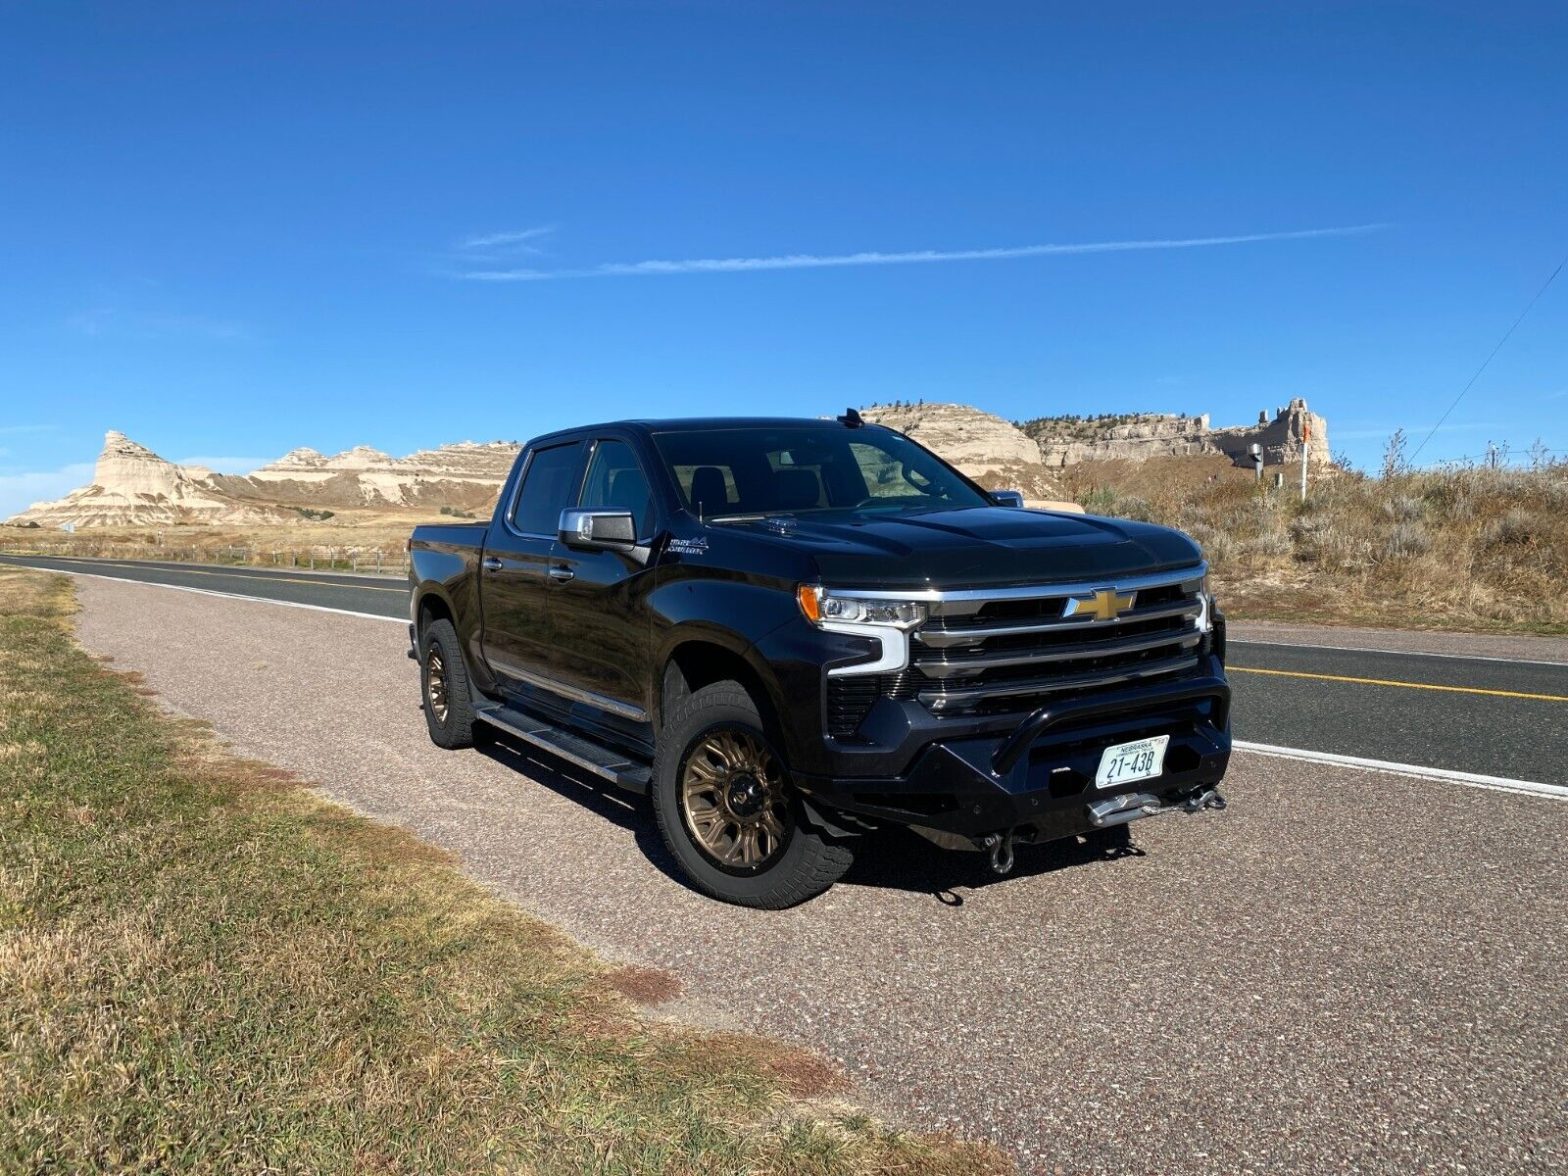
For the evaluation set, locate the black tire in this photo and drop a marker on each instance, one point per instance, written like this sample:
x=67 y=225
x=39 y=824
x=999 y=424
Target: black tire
x=804 y=862
x=449 y=712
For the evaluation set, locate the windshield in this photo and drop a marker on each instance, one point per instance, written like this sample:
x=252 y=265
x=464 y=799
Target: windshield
x=790 y=470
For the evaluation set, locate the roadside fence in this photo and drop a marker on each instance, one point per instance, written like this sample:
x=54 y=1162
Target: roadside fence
x=387 y=560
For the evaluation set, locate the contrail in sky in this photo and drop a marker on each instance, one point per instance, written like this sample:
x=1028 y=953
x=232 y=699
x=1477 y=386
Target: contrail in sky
x=791 y=261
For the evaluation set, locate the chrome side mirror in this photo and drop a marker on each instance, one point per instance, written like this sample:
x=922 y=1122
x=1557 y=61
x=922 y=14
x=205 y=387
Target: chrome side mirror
x=1007 y=497
x=600 y=530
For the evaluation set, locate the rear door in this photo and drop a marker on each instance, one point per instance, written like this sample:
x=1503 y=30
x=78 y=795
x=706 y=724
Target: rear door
x=598 y=599
x=519 y=634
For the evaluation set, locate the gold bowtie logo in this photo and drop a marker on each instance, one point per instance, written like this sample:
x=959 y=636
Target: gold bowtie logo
x=1105 y=605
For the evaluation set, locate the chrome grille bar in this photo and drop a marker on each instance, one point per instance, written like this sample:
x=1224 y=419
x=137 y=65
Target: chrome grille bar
x=944 y=636
x=944 y=698
x=977 y=648
x=952 y=667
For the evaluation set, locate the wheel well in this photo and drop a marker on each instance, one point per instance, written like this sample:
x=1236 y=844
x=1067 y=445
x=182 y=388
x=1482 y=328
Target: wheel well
x=701 y=663
x=432 y=608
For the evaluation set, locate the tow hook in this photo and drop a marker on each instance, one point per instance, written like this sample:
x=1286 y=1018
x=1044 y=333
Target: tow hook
x=1208 y=799
x=1001 y=847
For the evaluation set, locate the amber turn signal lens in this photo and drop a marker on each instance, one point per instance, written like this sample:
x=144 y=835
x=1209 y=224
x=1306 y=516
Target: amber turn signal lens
x=810 y=603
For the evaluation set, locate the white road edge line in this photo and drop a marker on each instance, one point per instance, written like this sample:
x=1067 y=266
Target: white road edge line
x=342 y=612
x=1469 y=779
x=1516 y=661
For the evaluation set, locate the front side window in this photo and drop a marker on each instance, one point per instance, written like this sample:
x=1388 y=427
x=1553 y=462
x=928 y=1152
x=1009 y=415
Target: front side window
x=790 y=470
x=548 y=483
x=616 y=482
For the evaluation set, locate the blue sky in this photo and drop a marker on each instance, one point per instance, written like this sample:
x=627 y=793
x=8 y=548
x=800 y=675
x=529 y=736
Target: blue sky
x=230 y=230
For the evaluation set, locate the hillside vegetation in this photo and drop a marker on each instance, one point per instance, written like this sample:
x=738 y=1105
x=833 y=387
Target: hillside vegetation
x=1451 y=548
x=1073 y=427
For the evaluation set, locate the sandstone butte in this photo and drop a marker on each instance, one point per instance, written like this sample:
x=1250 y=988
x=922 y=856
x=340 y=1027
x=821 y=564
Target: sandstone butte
x=133 y=486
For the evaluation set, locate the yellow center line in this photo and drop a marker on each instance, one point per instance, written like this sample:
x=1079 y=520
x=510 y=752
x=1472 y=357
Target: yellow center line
x=1406 y=685
x=233 y=576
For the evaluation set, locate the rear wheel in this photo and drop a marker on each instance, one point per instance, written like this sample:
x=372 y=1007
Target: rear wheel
x=727 y=811
x=443 y=679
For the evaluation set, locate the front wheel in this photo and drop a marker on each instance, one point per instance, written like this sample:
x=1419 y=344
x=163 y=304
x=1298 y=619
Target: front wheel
x=727 y=811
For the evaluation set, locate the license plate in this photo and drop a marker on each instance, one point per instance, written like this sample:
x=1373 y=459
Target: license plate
x=1122 y=763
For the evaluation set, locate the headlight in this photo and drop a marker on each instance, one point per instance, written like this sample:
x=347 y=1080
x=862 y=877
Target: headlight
x=1206 y=604
x=821 y=606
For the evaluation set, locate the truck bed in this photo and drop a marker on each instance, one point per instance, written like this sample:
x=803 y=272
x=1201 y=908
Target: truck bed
x=449 y=536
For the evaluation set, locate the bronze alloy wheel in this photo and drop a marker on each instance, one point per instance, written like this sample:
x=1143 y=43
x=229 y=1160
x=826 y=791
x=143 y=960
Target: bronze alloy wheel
x=435 y=683
x=733 y=800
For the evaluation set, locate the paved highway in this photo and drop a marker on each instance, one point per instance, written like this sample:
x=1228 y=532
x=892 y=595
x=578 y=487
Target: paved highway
x=380 y=596
x=1472 y=714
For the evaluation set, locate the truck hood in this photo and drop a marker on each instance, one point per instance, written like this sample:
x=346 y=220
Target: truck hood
x=972 y=548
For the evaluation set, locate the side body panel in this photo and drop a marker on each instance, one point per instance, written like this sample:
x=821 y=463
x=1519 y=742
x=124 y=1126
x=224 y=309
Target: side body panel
x=444 y=578
x=520 y=638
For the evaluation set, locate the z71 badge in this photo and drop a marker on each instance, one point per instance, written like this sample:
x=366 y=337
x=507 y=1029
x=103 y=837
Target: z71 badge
x=689 y=546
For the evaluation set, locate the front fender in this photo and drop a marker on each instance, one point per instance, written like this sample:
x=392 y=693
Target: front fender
x=763 y=627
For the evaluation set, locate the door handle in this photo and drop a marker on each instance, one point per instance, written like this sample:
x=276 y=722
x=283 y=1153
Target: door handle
x=491 y=564
x=561 y=574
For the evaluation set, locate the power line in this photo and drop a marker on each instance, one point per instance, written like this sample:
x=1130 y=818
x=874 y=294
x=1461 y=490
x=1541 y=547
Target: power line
x=1490 y=357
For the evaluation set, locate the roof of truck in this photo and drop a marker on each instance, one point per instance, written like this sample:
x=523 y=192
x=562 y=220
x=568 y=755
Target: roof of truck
x=667 y=424
x=735 y=422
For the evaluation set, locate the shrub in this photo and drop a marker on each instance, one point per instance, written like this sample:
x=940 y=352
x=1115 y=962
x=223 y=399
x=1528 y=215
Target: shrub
x=1406 y=540
x=1515 y=529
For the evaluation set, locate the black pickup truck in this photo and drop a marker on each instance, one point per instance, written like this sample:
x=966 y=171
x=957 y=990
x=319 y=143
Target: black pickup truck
x=790 y=633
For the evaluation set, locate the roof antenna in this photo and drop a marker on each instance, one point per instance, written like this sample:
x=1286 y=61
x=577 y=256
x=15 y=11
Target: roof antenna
x=851 y=419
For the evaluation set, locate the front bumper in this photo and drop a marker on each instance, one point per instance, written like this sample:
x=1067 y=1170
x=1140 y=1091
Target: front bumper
x=1037 y=780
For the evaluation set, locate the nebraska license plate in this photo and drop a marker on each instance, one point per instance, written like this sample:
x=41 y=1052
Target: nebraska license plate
x=1122 y=763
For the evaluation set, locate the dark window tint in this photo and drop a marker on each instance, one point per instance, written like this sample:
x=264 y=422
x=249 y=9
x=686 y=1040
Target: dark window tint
x=766 y=470
x=616 y=482
x=547 y=490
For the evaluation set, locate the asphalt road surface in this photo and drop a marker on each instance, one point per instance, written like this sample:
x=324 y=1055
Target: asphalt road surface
x=1489 y=707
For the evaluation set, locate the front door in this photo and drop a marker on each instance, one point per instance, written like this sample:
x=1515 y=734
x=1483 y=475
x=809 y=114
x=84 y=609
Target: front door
x=519 y=632
x=597 y=600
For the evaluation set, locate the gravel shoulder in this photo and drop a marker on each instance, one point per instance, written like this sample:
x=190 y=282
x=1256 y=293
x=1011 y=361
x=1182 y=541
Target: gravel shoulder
x=1345 y=970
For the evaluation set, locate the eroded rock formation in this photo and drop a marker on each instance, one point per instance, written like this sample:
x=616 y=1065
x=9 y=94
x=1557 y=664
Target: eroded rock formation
x=133 y=486
x=994 y=452
x=1066 y=441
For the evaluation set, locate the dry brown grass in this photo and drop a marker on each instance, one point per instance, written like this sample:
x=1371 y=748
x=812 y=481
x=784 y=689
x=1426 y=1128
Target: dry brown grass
x=1461 y=548
x=353 y=539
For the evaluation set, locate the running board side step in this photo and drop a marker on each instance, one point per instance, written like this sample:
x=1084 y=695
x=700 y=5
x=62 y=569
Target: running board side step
x=583 y=753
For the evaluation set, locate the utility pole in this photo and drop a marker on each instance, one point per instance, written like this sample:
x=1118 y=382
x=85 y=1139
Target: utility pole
x=1306 y=440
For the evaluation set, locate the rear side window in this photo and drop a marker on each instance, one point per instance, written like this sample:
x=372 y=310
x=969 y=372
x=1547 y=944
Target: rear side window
x=548 y=486
x=616 y=482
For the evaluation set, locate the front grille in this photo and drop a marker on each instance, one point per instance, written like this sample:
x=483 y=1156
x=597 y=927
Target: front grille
x=1011 y=651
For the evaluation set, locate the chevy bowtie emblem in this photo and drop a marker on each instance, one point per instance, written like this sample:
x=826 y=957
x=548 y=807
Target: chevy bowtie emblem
x=1105 y=605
